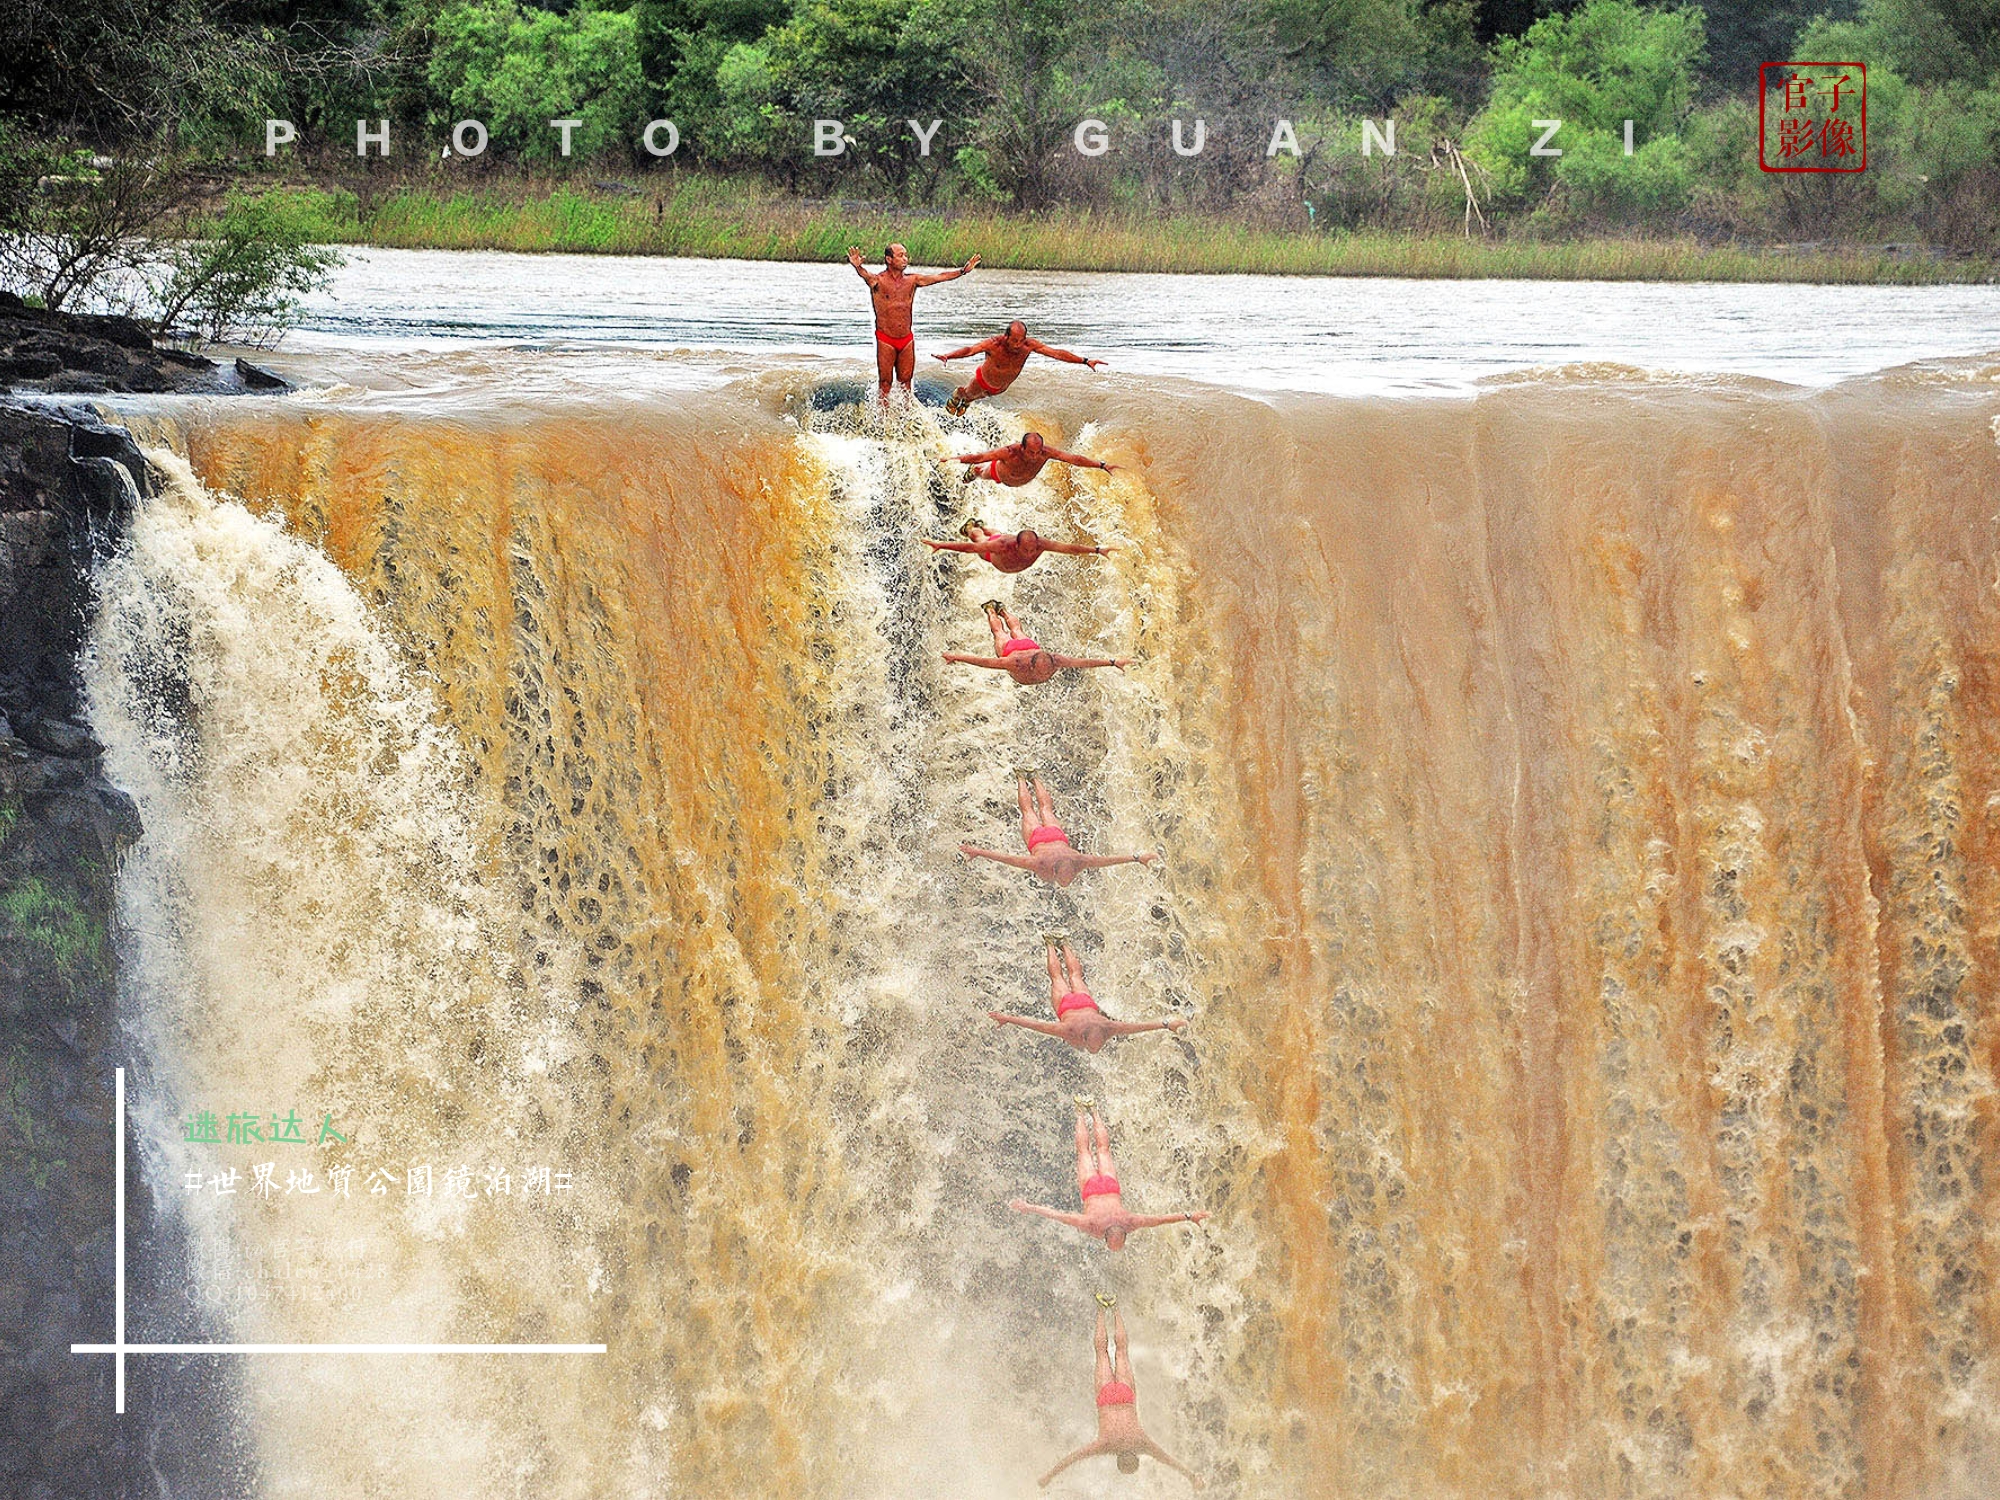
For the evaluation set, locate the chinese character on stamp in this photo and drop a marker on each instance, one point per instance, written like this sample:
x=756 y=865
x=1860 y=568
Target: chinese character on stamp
x=1812 y=116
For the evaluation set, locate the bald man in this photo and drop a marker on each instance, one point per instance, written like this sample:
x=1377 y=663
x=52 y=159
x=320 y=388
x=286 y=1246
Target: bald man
x=1005 y=355
x=1018 y=463
x=894 y=292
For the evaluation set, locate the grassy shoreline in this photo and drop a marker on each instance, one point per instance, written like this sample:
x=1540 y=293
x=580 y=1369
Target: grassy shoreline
x=710 y=223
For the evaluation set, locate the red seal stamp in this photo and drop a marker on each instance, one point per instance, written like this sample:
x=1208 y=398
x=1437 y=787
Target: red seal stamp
x=1812 y=116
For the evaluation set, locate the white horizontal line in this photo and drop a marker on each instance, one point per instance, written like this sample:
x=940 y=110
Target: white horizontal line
x=336 y=1348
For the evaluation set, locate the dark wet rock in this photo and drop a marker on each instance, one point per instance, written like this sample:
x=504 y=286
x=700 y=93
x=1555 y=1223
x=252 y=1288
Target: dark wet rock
x=257 y=378
x=68 y=486
x=98 y=354
x=62 y=830
x=60 y=737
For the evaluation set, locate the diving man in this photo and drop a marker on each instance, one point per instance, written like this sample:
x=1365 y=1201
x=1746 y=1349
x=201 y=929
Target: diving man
x=1005 y=355
x=1118 y=1431
x=1024 y=659
x=1015 y=553
x=1104 y=1215
x=1019 y=463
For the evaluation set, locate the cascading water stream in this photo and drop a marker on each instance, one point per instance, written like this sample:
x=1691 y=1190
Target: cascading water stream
x=1577 y=814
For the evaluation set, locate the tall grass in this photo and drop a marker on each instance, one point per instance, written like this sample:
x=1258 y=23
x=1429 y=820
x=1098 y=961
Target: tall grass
x=721 y=221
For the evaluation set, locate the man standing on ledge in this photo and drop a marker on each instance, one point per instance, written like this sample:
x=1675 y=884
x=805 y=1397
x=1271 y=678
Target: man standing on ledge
x=894 y=291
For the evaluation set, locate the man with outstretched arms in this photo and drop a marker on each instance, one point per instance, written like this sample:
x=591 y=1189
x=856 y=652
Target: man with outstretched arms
x=1019 y=463
x=894 y=291
x=1005 y=355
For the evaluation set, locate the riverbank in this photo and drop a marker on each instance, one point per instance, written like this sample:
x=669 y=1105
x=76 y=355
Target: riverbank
x=614 y=217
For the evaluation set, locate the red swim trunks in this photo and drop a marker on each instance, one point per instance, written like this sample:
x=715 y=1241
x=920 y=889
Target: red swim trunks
x=979 y=379
x=1116 y=1393
x=899 y=345
x=1018 y=643
x=1048 y=833
x=1074 y=1000
x=1098 y=1186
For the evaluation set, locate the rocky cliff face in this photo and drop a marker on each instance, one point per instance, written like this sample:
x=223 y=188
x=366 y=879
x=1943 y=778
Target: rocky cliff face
x=66 y=486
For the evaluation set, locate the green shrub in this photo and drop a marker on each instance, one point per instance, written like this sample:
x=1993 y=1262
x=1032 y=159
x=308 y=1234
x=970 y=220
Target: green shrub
x=1593 y=69
x=241 y=280
x=50 y=924
x=517 y=70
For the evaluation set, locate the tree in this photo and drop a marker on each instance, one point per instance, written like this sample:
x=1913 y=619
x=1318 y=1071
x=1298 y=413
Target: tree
x=125 y=231
x=1365 y=53
x=1742 y=36
x=79 y=225
x=1211 y=60
x=1933 y=41
x=518 y=70
x=683 y=46
x=872 y=64
x=1593 y=70
x=240 y=281
x=122 y=70
x=1031 y=101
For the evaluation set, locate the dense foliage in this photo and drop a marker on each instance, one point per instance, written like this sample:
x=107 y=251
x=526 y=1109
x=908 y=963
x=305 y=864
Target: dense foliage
x=745 y=80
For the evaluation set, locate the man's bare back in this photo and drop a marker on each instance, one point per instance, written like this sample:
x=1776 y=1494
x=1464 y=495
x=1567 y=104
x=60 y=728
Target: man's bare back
x=893 y=291
x=1005 y=355
x=1018 y=463
x=1011 y=554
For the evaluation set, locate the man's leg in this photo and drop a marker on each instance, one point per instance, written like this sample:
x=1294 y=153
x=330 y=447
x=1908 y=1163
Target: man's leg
x=906 y=362
x=1075 y=968
x=885 y=367
x=1045 y=802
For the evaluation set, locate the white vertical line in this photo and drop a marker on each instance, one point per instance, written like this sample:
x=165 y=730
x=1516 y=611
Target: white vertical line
x=118 y=1223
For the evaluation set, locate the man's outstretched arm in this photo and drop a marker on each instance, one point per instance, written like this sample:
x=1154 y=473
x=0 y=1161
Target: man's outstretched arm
x=1078 y=459
x=1106 y=861
x=983 y=546
x=987 y=456
x=1139 y=1028
x=1088 y=1450
x=984 y=346
x=1079 y=662
x=1047 y=1028
x=1062 y=354
x=1173 y=1463
x=936 y=276
x=1155 y=1221
x=854 y=260
x=1022 y=1206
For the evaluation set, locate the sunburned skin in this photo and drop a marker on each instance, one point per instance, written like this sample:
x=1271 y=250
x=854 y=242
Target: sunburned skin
x=1104 y=1216
x=1119 y=1434
x=894 y=291
x=1004 y=357
x=1083 y=1026
x=1018 y=463
x=1014 y=553
x=1029 y=662
x=1049 y=855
